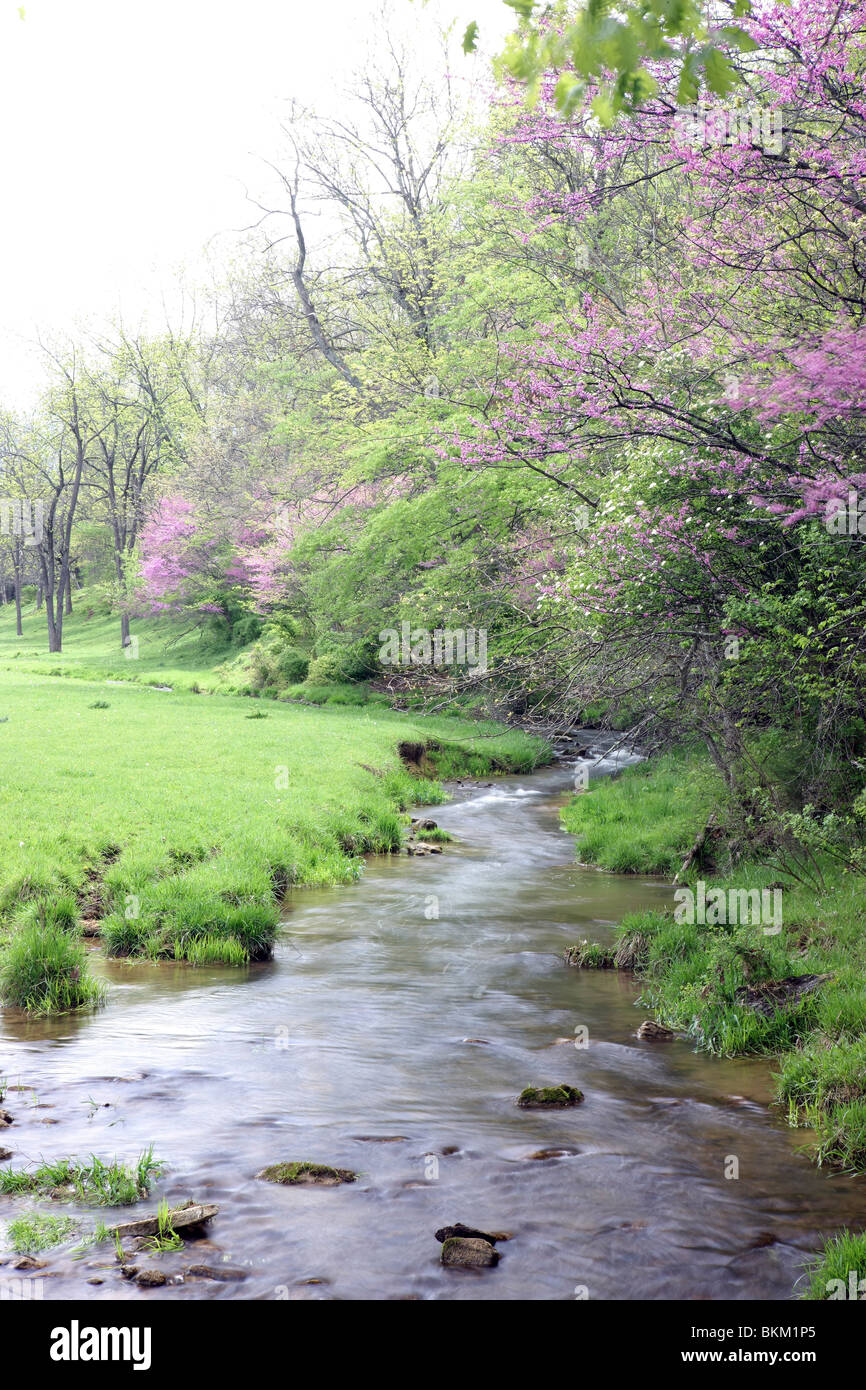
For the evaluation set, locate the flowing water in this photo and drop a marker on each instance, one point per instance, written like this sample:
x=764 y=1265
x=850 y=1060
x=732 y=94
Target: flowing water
x=391 y=1034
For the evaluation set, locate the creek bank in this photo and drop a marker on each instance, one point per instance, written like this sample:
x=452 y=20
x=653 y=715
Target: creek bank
x=793 y=990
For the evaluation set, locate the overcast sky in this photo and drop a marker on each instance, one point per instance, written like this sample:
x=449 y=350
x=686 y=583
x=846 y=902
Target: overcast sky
x=131 y=128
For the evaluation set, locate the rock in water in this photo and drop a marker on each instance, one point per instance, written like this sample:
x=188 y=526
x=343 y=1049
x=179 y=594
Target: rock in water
x=183 y=1219
x=549 y=1097
x=654 y=1031
x=306 y=1175
x=219 y=1273
x=469 y=1233
x=461 y=1252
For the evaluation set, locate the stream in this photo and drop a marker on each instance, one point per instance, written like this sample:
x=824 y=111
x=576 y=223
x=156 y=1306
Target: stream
x=399 y=1020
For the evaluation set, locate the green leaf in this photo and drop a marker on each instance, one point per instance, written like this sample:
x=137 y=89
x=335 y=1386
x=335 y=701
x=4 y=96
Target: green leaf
x=523 y=7
x=567 y=93
x=719 y=73
x=603 y=109
x=470 y=38
x=689 y=84
x=737 y=36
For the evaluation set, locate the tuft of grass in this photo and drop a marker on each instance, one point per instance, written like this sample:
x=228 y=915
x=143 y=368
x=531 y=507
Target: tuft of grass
x=436 y=837
x=839 y=1270
x=166 y=1237
x=94 y=1182
x=33 y=1231
x=590 y=955
x=44 y=970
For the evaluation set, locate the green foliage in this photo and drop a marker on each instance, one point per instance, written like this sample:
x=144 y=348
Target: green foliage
x=600 y=42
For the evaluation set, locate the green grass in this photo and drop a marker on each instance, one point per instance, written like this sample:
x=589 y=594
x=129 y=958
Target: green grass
x=167 y=654
x=95 y=1182
x=645 y=820
x=178 y=820
x=44 y=970
x=166 y=1238
x=830 y=1277
x=34 y=1231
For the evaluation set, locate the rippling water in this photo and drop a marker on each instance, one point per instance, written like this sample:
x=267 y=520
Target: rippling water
x=413 y=1007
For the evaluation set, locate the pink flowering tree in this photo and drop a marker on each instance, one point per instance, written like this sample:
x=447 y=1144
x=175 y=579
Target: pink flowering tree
x=702 y=394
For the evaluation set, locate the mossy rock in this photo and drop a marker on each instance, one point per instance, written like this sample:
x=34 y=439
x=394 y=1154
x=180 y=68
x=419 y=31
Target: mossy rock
x=549 y=1097
x=589 y=955
x=306 y=1175
x=460 y=1252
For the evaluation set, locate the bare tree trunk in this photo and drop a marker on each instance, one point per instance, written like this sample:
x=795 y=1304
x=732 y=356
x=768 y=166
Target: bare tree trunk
x=17 y=570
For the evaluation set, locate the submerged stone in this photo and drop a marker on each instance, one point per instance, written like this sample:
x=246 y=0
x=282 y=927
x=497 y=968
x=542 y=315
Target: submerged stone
x=222 y=1274
x=549 y=1097
x=306 y=1175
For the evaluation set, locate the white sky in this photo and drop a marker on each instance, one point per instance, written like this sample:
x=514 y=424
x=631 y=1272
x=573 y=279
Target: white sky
x=131 y=128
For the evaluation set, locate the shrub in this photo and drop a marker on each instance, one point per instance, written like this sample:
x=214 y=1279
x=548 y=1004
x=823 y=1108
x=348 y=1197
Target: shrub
x=293 y=665
x=339 y=664
x=247 y=630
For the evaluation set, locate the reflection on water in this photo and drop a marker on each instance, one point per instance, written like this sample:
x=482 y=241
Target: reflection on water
x=413 y=1007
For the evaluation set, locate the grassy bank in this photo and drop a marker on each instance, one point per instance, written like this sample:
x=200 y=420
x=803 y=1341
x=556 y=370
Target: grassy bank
x=179 y=819
x=741 y=985
x=171 y=821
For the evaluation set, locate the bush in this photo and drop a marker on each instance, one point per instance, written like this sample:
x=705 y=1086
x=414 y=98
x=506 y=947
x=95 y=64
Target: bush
x=247 y=630
x=45 y=971
x=275 y=667
x=342 y=664
x=293 y=665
